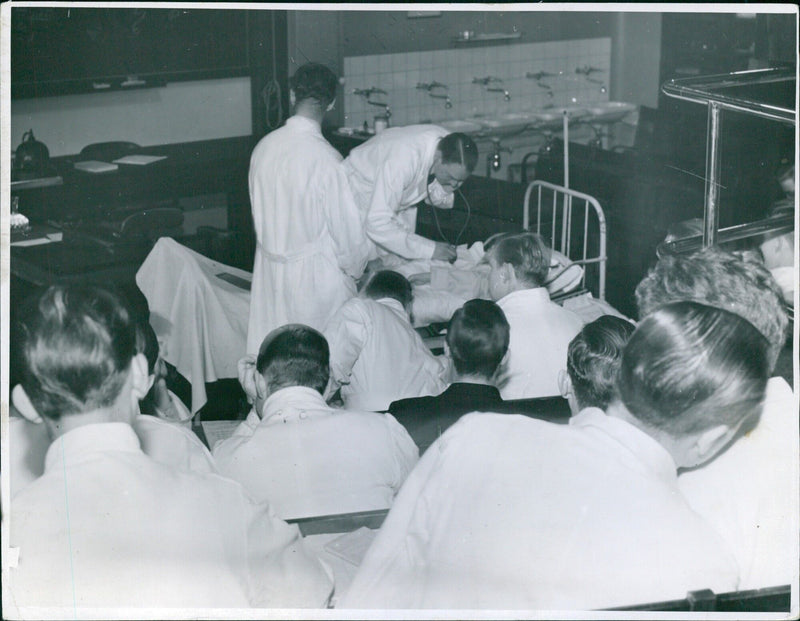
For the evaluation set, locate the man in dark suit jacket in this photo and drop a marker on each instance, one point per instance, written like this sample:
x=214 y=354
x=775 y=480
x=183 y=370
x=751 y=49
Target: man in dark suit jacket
x=476 y=343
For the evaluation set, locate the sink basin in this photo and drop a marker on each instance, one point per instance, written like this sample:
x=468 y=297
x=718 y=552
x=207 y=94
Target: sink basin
x=554 y=116
x=509 y=121
x=465 y=127
x=610 y=110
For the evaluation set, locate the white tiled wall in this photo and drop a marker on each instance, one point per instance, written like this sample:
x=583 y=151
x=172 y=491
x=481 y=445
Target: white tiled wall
x=398 y=75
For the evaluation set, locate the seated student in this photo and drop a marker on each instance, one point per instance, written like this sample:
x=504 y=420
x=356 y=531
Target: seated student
x=106 y=526
x=749 y=493
x=540 y=329
x=376 y=355
x=476 y=343
x=161 y=439
x=307 y=458
x=509 y=512
x=593 y=359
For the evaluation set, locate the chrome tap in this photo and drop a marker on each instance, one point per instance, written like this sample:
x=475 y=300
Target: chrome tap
x=587 y=70
x=385 y=106
x=486 y=80
x=539 y=75
x=506 y=94
x=368 y=92
x=447 y=103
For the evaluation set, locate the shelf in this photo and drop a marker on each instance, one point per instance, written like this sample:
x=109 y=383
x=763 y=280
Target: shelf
x=487 y=36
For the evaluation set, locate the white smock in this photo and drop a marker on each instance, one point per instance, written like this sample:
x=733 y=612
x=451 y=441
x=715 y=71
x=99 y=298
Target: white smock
x=749 y=493
x=389 y=176
x=509 y=512
x=309 y=459
x=310 y=238
x=106 y=526
x=378 y=357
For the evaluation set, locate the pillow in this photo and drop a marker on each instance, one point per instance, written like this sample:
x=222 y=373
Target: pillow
x=564 y=275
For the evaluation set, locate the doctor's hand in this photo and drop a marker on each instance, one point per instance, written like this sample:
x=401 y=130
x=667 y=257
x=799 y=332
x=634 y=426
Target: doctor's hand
x=444 y=252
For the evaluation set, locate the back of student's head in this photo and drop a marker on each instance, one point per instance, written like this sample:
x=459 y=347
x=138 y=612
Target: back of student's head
x=389 y=284
x=76 y=344
x=527 y=253
x=314 y=81
x=477 y=337
x=458 y=148
x=593 y=359
x=294 y=355
x=689 y=367
x=722 y=279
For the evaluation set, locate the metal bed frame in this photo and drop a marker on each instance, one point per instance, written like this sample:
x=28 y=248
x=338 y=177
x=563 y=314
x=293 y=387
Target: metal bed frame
x=563 y=205
x=718 y=93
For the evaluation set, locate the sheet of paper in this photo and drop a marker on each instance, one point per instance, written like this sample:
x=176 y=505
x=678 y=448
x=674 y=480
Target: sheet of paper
x=140 y=160
x=217 y=430
x=95 y=166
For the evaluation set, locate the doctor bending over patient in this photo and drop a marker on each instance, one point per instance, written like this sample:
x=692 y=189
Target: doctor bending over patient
x=310 y=238
x=106 y=525
x=398 y=168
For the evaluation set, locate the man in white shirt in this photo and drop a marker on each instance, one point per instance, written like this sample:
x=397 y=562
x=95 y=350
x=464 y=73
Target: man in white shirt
x=508 y=512
x=397 y=169
x=540 y=329
x=311 y=243
x=307 y=458
x=107 y=527
x=377 y=356
x=749 y=493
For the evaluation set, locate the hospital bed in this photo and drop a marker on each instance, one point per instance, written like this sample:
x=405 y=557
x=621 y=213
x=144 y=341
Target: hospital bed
x=199 y=307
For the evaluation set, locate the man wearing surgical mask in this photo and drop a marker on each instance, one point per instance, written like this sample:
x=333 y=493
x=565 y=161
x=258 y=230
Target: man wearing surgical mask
x=397 y=169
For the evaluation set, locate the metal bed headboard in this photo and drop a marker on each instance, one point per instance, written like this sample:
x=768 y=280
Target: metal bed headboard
x=563 y=235
x=724 y=92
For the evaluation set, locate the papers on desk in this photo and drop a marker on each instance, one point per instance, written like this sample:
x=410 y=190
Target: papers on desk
x=217 y=430
x=95 y=166
x=140 y=160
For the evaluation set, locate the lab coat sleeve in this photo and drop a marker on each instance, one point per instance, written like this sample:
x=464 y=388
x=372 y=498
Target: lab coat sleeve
x=383 y=225
x=283 y=572
x=345 y=223
x=347 y=335
x=405 y=451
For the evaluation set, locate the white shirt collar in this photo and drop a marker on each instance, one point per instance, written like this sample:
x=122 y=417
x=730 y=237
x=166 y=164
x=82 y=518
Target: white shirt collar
x=537 y=295
x=294 y=403
x=304 y=123
x=645 y=448
x=394 y=305
x=77 y=445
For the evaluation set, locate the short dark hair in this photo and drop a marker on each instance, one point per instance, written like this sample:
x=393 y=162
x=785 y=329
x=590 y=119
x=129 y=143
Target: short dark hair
x=689 y=367
x=458 y=148
x=528 y=253
x=593 y=359
x=314 y=81
x=477 y=336
x=147 y=344
x=76 y=344
x=294 y=355
x=389 y=284
x=718 y=278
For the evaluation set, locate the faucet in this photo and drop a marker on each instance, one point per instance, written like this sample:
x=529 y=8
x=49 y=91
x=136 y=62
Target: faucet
x=486 y=80
x=493 y=161
x=447 y=103
x=385 y=106
x=587 y=70
x=506 y=94
x=368 y=92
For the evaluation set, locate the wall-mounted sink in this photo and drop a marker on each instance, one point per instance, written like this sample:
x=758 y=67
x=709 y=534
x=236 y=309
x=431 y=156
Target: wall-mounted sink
x=465 y=127
x=610 y=110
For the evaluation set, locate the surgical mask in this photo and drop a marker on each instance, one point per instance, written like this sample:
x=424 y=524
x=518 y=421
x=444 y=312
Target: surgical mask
x=438 y=196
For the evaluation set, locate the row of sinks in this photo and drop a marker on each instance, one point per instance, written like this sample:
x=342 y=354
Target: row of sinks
x=600 y=112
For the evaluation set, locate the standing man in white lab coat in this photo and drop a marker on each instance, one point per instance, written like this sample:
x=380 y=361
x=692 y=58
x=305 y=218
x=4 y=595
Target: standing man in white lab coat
x=310 y=238
x=398 y=168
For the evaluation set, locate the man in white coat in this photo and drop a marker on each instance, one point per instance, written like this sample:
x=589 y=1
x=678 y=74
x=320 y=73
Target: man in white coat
x=394 y=171
x=107 y=526
x=310 y=238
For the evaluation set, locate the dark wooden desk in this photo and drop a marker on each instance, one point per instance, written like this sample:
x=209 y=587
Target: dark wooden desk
x=84 y=199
